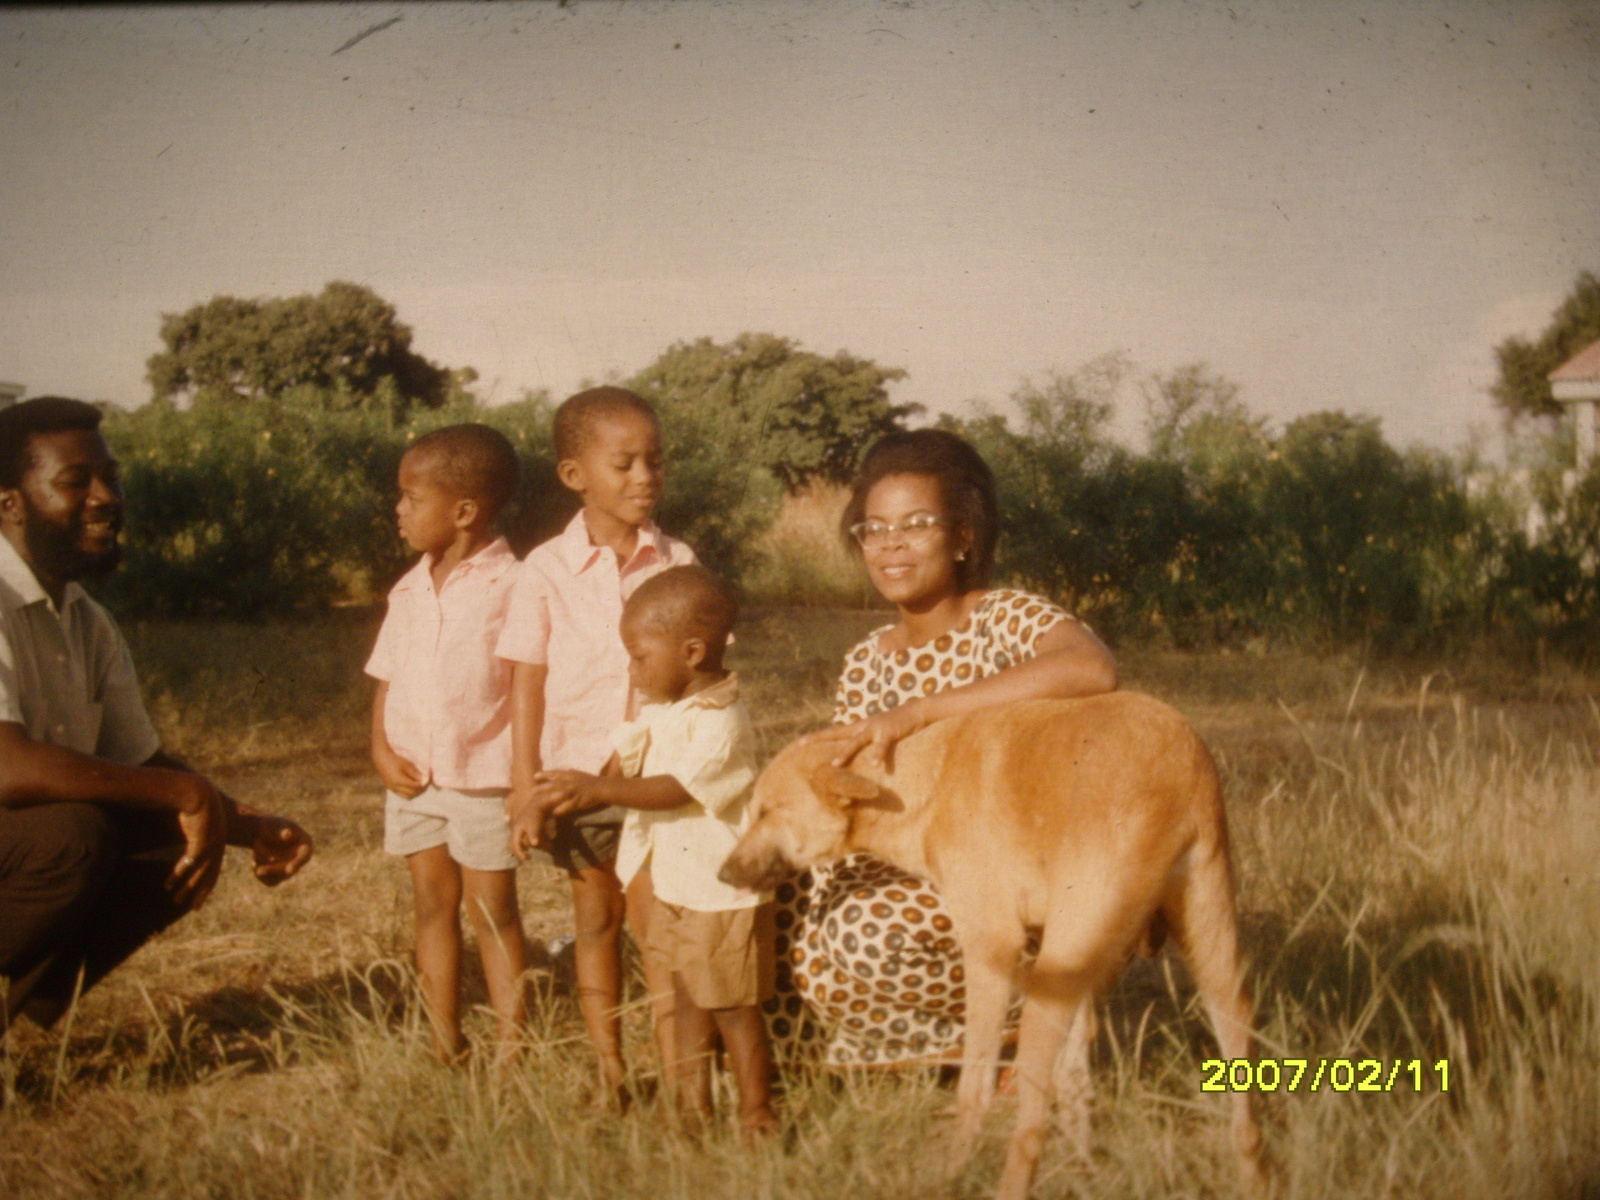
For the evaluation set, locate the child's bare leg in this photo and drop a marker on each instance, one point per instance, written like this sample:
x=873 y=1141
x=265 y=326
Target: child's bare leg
x=744 y=1036
x=491 y=899
x=436 y=886
x=657 y=980
x=597 y=906
x=696 y=1032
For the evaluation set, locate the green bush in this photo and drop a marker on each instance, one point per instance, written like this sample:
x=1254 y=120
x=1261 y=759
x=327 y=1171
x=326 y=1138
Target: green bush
x=271 y=505
x=249 y=508
x=262 y=507
x=1223 y=532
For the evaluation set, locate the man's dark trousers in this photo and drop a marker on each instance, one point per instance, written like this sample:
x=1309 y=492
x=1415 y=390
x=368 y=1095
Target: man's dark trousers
x=82 y=886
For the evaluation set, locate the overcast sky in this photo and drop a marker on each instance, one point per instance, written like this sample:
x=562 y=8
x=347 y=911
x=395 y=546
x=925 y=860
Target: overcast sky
x=1337 y=205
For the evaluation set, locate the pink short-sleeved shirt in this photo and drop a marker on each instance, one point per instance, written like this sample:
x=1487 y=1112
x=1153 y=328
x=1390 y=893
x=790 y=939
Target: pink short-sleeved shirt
x=565 y=610
x=448 y=711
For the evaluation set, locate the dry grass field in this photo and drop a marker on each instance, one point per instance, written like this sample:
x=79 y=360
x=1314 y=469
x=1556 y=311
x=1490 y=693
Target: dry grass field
x=1417 y=851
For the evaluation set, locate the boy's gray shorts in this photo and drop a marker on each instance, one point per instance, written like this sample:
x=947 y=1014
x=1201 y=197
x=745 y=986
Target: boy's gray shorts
x=471 y=825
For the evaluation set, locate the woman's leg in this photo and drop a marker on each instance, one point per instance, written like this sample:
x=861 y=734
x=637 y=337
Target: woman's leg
x=491 y=899
x=436 y=887
x=895 y=950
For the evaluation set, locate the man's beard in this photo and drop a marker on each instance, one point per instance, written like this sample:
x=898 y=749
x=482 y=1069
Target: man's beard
x=56 y=551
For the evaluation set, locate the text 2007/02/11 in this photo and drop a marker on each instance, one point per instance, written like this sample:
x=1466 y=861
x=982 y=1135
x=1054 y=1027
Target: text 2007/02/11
x=1313 y=1075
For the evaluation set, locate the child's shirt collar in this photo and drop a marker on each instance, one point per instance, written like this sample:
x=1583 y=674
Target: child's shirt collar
x=719 y=695
x=575 y=549
x=632 y=738
x=492 y=561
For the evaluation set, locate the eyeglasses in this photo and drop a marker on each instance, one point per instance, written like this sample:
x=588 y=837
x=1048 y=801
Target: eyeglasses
x=914 y=530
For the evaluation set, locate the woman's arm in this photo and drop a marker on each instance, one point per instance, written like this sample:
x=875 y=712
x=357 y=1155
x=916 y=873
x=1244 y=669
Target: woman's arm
x=1070 y=661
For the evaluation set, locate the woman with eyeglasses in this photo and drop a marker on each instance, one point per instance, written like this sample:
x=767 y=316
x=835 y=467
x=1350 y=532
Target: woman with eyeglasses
x=869 y=971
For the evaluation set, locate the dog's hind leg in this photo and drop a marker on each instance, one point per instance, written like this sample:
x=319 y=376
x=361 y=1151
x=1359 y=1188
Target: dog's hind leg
x=1205 y=927
x=990 y=964
x=1073 y=1086
x=1084 y=942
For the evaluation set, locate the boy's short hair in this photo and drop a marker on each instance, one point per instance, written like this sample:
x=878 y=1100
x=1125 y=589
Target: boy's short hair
x=690 y=601
x=43 y=414
x=473 y=461
x=579 y=416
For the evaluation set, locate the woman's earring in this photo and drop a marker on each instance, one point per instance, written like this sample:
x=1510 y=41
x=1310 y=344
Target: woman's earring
x=961 y=556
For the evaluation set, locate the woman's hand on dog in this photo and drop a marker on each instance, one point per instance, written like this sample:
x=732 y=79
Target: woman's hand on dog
x=874 y=736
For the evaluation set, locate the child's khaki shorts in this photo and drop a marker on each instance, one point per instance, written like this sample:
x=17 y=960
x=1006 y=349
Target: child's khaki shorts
x=723 y=959
x=472 y=825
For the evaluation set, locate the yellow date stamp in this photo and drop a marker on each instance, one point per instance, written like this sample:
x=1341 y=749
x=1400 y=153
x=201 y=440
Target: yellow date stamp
x=1319 y=1074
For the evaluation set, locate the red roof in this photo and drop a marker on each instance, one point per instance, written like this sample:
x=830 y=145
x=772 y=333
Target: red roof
x=1582 y=367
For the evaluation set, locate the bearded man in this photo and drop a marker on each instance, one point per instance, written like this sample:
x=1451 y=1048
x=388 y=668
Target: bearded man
x=104 y=838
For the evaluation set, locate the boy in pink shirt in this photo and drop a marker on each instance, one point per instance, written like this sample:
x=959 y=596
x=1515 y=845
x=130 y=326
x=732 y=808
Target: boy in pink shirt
x=570 y=685
x=441 y=723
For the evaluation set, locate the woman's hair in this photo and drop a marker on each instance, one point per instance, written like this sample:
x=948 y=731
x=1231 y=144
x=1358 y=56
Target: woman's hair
x=965 y=483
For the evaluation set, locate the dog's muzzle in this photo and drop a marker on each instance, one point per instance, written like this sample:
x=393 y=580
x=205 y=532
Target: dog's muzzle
x=756 y=873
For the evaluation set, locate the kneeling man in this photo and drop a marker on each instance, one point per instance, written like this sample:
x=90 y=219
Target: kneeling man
x=104 y=838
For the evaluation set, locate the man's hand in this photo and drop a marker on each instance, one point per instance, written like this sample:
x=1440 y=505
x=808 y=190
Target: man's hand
x=203 y=822
x=398 y=774
x=279 y=848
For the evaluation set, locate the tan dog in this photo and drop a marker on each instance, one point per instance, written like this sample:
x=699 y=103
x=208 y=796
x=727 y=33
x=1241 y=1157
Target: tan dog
x=1086 y=820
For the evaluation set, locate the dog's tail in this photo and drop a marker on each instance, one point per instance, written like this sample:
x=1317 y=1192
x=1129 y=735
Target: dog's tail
x=1202 y=916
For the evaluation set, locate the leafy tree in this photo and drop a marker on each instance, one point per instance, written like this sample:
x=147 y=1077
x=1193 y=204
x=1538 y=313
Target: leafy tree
x=1364 y=535
x=1083 y=519
x=800 y=415
x=1224 y=565
x=346 y=342
x=1190 y=407
x=1523 y=388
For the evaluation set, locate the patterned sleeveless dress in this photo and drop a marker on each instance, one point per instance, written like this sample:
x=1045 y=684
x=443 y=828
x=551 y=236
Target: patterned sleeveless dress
x=869 y=972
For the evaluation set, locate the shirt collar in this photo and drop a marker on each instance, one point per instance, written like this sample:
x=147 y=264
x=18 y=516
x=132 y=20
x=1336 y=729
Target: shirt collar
x=20 y=587
x=578 y=553
x=493 y=560
x=719 y=695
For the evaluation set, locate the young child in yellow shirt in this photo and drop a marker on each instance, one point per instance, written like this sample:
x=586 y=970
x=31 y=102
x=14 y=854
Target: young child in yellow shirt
x=684 y=770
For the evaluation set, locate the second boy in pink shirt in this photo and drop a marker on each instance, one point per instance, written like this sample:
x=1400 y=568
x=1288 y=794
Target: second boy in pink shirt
x=570 y=684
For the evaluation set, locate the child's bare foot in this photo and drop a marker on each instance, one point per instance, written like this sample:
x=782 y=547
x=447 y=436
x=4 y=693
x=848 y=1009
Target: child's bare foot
x=446 y=1057
x=758 y=1126
x=611 y=1097
x=692 y=1123
x=609 y=1102
x=507 y=1054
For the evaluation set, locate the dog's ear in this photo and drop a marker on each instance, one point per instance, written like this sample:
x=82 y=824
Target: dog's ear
x=829 y=780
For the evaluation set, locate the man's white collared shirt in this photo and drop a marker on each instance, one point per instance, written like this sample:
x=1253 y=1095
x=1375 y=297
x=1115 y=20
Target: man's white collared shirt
x=66 y=675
